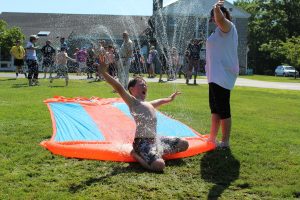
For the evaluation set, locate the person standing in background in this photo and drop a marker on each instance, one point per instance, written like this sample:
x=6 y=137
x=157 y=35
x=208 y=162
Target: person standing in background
x=126 y=53
x=48 y=58
x=18 y=53
x=222 y=69
x=194 y=49
x=31 y=60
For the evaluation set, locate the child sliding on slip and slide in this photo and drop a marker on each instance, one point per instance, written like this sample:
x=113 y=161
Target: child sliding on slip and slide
x=148 y=147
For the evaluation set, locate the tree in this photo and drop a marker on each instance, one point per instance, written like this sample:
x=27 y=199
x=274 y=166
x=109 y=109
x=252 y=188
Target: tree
x=8 y=37
x=272 y=23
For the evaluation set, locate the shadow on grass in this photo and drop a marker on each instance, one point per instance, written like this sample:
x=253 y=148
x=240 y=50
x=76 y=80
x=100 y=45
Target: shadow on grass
x=175 y=162
x=8 y=79
x=221 y=168
x=56 y=86
x=191 y=84
x=20 y=85
x=105 y=179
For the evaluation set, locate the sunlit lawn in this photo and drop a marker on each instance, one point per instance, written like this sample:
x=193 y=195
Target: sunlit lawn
x=272 y=78
x=263 y=162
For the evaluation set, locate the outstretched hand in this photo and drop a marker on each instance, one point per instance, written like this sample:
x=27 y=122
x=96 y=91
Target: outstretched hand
x=102 y=66
x=219 y=3
x=174 y=95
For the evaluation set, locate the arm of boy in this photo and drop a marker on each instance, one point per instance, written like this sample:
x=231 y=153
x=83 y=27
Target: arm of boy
x=116 y=85
x=159 y=102
x=73 y=60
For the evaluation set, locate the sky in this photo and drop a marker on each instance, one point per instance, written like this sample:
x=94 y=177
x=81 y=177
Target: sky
x=113 y=7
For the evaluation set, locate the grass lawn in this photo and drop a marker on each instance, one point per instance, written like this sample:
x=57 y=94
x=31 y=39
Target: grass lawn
x=263 y=162
x=271 y=78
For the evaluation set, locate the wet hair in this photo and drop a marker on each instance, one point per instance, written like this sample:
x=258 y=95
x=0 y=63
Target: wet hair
x=133 y=82
x=225 y=12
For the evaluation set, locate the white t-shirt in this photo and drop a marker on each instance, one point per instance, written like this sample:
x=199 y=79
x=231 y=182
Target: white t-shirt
x=30 y=53
x=126 y=50
x=222 y=65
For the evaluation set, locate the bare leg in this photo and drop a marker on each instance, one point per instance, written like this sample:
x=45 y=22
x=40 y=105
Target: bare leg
x=226 y=127
x=45 y=71
x=160 y=75
x=181 y=146
x=157 y=165
x=17 y=71
x=50 y=71
x=67 y=80
x=195 y=75
x=215 y=125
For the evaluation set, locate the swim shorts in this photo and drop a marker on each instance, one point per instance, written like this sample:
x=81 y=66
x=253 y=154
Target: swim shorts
x=151 y=149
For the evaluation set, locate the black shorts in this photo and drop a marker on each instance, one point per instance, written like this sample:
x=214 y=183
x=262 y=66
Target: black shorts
x=194 y=64
x=18 y=62
x=48 y=62
x=33 y=67
x=219 y=101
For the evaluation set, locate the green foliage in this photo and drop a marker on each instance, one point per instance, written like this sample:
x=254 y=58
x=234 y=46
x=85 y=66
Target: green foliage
x=291 y=50
x=9 y=36
x=288 y=52
x=271 y=24
x=263 y=162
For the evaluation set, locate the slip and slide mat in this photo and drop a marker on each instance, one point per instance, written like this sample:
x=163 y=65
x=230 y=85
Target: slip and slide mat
x=103 y=129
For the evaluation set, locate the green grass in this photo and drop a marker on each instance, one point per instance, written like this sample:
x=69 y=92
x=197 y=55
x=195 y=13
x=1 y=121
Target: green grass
x=271 y=78
x=263 y=162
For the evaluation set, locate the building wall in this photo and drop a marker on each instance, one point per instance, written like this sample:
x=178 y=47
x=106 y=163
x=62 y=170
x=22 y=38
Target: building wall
x=174 y=31
x=178 y=31
x=242 y=29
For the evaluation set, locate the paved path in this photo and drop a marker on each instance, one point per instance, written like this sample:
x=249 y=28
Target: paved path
x=240 y=82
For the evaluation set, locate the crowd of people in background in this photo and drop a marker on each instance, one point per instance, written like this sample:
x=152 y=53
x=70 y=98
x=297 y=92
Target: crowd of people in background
x=129 y=58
